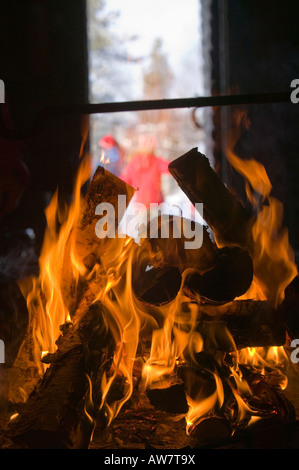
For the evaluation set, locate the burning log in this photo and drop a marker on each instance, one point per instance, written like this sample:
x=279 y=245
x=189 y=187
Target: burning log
x=158 y=269
x=211 y=430
x=222 y=329
x=172 y=251
x=62 y=409
x=104 y=187
x=158 y=285
x=231 y=276
x=88 y=250
x=251 y=324
x=241 y=324
x=269 y=410
x=170 y=398
x=219 y=275
x=290 y=306
x=223 y=212
x=60 y=412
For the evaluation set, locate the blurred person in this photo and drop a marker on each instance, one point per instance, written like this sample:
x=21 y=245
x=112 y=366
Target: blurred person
x=111 y=154
x=144 y=171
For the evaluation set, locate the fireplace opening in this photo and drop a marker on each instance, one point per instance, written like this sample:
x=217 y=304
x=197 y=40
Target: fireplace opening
x=153 y=304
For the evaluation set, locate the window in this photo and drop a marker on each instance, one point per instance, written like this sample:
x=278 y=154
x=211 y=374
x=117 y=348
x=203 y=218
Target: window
x=143 y=50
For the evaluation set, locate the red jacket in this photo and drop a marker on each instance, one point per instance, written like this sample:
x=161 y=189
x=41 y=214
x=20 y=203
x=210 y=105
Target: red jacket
x=144 y=173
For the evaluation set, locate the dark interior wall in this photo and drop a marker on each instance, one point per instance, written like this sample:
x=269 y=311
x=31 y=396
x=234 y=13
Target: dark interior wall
x=43 y=62
x=256 y=49
x=43 y=55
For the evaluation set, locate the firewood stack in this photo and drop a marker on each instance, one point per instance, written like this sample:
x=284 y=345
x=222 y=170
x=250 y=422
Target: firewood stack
x=62 y=409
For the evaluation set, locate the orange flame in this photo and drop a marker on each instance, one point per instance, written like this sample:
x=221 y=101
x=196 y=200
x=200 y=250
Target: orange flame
x=44 y=295
x=273 y=257
x=171 y=327
x=200 y=408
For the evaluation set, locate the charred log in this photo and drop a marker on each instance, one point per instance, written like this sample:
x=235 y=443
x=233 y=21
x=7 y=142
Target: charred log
x=271 y=410
x=231 y=277
x=250 y=323
x=216 y=274
x=171 y=250
x=170 y=398
x=61 y=410
x=239 y=324
x=160 y=263
x=290 y=307
x=104 y=187
x=211 y=430
x=158 y=286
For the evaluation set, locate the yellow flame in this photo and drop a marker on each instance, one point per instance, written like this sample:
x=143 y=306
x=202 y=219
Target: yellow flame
x=172 y=328
x=201 y=407
x=89 y=402
x=104 y=160
x=44 y=294
x=273 y=256
x=14 y=416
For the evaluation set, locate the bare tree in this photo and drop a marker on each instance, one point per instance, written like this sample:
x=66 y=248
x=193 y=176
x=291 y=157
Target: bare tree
x=157 y=79
x=107 y=53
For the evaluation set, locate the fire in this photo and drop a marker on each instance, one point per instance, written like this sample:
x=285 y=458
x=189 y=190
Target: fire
x=201 y=407
x=104 y=160
x=45 y=295
x=171 y=327
x=274 y=269
x=273 y=257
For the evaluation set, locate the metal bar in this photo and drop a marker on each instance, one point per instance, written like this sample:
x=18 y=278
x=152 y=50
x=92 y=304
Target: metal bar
x=130 y=106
